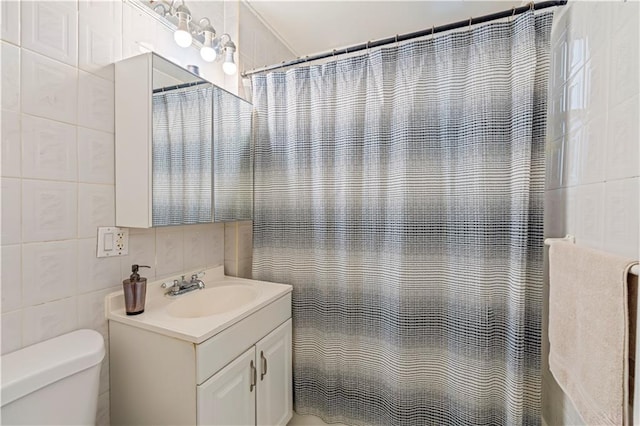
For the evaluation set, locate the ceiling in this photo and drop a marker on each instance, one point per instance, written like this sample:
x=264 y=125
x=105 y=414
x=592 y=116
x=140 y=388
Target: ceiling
x=312 y=26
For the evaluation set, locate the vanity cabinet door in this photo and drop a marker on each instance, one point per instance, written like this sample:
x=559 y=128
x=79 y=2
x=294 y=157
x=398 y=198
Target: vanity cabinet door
x=228 y=397
x=274 y=399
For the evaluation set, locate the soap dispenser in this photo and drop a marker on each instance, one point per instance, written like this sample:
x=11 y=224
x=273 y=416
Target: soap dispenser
x=135 y=290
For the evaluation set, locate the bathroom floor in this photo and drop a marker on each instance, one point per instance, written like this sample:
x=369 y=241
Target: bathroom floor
x=299 y=420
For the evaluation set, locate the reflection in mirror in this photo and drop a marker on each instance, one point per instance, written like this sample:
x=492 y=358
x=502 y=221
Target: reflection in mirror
x=182 y=146
x=233 y=157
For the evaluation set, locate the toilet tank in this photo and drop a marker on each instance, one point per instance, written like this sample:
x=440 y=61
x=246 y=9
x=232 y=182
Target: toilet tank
x=53 y=382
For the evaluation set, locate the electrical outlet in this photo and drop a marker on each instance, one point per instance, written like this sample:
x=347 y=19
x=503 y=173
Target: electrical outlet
x=112 y=241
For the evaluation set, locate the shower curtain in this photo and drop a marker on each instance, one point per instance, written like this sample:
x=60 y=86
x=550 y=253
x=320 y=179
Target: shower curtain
x=182 y=158
x=400 y=193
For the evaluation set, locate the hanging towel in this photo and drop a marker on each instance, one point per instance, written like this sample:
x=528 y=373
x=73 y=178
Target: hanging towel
x=588 y=330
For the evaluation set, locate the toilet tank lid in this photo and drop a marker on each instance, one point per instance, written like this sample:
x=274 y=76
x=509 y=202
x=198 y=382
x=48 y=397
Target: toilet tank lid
x=34 y=367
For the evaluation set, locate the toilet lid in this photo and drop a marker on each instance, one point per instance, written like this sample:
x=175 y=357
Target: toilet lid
x=34 y=367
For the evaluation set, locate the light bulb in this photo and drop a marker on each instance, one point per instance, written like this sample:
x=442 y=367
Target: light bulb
x=182 y=38
x=208 y=53
x=229 y=68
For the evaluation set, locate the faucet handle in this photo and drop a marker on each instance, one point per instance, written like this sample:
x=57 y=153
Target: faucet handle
x=170 y=283
x=197 y=275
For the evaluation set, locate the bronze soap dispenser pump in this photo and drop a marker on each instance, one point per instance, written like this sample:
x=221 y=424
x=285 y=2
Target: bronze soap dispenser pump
x=135 y=290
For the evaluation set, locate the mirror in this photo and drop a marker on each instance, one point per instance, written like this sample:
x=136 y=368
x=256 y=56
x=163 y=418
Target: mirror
x=181 y=146
x=184 y=148
x=233 y=157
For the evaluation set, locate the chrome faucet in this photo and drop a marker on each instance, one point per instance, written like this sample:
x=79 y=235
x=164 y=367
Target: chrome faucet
x=182 y=286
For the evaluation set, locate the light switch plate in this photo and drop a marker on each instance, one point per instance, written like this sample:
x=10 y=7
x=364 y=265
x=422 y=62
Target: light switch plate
x=112 y=241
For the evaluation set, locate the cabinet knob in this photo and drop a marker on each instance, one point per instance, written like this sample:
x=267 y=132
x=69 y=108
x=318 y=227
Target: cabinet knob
x=264 y=365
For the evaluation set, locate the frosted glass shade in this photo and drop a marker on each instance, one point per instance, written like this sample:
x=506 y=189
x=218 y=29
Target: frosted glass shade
x=183 y=38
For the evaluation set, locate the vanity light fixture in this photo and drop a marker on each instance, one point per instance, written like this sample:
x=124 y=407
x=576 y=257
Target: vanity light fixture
x=207 y=50
x=213 y=48
x=182 y=35
x=229 y=67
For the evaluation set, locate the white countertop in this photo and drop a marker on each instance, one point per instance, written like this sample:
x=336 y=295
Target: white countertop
x=196 y=330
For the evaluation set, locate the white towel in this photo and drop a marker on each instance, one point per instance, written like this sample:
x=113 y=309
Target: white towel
x=588 y=330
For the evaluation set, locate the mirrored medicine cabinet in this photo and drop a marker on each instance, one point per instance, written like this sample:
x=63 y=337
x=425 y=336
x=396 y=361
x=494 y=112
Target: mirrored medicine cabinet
x=184 y=152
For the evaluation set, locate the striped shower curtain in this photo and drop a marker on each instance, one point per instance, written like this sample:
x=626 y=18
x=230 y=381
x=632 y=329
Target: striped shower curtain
x=400 y=193
x=182 y=156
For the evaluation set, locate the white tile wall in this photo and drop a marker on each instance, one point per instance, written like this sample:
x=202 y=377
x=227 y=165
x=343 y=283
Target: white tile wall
x=142 y=250
x=595 y=49
x=594 y=134
x=11 y=211
x=49 y=210
x=11 y=331
x=57 y=112
x=590 y=218
x=42 y=322
x=138 y=32
x=238 y=245
x=11 y=273
x=48 y=149
x=169 y=251
x=51 y=28
x=10 y=76
x=10 y=15
x=215 y=241
x=622 y=217
x=48 y=271
x=11 y=156
x=624 y=58
x=96 y=274
x=96 y=207
x=195 y=247
x=622 y=140
x=91 y=310
x=97 y=51
x=100 y=36
x=49 y=88
x=96 y=107
x=96 y=151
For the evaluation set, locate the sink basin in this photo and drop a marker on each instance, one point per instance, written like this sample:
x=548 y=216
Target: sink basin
x=212 y=301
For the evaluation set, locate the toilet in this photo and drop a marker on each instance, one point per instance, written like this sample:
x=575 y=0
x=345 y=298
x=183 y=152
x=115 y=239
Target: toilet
x=53 y=382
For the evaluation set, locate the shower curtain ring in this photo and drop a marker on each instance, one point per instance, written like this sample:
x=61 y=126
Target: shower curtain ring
x=532 y=6
x=334 y=53
x=513 y=13
x=433 y=30
x=470 y=19
x=368 y=42
x=397 y=40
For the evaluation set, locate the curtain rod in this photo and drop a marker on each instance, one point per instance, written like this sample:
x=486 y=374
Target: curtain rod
x=179 y=86
x=403 y=37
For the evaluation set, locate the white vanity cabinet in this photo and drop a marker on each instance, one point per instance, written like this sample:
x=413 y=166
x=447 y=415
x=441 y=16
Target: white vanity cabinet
x=239 y=376
x=255 y=387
